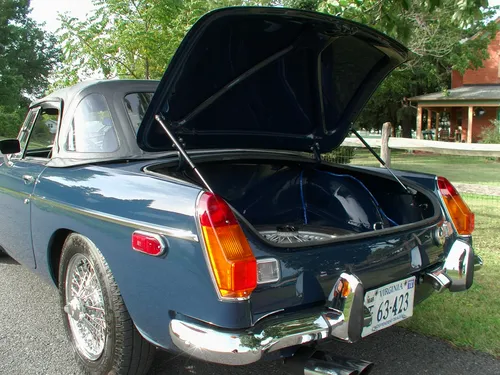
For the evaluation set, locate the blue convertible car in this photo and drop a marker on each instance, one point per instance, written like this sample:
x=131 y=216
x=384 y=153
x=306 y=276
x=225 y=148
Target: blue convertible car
x=196 y=214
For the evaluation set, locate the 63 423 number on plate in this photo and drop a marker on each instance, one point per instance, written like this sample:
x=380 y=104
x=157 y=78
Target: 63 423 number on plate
x=389 y=304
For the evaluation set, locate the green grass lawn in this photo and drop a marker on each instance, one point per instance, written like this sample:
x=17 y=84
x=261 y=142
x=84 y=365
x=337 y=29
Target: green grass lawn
x=464 y=169
x=470 y=319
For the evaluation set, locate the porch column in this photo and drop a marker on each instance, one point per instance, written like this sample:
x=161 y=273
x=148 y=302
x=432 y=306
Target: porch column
x=437 y=125
x=453 y=121
x=469 y=124
x=419 y=122
x=429 y=122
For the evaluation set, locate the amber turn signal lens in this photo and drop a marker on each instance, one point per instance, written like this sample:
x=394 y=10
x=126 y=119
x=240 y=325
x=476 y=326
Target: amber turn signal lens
x=342 y=288
x=460 y=213
x=231 y=258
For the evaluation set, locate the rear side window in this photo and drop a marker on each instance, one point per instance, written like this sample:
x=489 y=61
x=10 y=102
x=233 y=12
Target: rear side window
x=92 y=128
x=137 y=103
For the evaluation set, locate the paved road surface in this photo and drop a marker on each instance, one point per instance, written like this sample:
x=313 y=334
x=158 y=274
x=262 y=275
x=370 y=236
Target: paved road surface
x=32 y=341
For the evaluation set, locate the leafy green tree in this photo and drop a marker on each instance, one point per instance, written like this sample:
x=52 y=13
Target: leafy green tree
x=27 y=56
x=129 y=38
x=27 y=53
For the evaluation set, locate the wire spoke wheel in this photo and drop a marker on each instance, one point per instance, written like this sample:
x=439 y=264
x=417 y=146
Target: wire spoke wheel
x=85 y=307
x=291 y=235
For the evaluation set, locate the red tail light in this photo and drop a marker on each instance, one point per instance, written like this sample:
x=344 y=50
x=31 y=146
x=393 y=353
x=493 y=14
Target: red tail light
x=462 y=216
x=231 y=258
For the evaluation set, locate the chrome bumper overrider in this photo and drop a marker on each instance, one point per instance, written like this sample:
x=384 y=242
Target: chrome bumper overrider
x=343 y=318
x=457 y=272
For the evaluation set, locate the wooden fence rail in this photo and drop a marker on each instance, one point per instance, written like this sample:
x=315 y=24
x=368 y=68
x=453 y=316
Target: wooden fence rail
x=386 y=143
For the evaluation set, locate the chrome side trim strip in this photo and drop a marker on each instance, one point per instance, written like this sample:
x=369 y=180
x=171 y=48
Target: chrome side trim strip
x=134 y=224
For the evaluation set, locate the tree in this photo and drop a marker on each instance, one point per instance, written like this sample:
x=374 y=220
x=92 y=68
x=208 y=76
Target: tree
x=27 y=54
x=129 y=38
x=27 y=57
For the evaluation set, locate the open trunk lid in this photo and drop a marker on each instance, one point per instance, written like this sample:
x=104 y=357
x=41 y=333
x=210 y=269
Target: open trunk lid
x=268 y=78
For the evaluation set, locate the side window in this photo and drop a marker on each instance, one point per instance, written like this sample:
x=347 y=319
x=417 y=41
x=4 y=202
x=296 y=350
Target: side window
x=43 y=133
x=92 y=128
x=137 y=103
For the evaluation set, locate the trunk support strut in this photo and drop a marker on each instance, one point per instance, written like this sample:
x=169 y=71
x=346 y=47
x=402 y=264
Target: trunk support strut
x=407 y=189
x=182 y=152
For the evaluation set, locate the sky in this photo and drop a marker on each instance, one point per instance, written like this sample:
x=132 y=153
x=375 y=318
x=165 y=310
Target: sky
x=47 y=10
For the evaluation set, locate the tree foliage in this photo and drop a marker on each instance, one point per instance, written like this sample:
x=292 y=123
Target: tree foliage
x=129 y=38
x=27 y=53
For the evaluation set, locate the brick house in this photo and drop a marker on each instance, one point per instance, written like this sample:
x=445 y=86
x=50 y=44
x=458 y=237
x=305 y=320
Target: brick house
x=461 y=113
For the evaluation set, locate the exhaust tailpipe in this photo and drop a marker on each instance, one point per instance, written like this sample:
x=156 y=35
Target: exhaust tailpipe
x=316 y=367
x=309 y=362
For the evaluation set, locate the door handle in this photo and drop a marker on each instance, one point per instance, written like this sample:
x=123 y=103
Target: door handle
x=28 y=179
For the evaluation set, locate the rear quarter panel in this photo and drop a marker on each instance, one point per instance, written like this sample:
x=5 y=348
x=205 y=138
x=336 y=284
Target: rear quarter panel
x=105 y=204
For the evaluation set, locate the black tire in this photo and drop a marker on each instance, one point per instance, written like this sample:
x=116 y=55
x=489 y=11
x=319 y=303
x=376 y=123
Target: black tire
x=124 y=350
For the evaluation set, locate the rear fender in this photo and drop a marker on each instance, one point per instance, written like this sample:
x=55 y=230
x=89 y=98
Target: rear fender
x=103 y=205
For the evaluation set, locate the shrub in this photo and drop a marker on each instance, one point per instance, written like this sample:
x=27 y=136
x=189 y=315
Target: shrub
x=341 y=155
x=10 y=123
x=491 y=134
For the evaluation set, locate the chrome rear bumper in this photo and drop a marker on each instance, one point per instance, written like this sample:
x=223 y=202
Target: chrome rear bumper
x=343 y=318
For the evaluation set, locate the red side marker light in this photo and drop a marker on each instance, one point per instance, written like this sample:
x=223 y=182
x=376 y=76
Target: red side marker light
x=148 y=243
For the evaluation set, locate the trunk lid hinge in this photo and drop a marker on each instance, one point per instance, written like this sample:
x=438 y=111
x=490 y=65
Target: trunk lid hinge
x=316 y=152
x=182 y=152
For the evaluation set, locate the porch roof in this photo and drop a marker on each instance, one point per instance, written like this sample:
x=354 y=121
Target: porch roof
x=473 y=94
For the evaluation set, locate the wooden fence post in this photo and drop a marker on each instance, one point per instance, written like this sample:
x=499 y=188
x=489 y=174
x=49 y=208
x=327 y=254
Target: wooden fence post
x=385 y=151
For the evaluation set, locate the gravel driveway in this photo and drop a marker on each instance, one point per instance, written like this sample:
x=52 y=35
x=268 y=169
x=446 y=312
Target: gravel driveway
x=32 y=341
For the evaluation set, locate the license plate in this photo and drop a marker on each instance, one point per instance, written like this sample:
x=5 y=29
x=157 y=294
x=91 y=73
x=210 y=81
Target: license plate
x=389 y=304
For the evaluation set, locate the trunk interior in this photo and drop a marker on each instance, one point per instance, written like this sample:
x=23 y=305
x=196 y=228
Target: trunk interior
x=299 y=202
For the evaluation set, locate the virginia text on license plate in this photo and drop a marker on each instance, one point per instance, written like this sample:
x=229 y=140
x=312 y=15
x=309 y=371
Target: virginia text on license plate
x=389 y=304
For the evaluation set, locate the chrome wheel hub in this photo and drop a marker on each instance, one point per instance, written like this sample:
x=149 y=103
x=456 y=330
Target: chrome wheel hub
x=85 y=307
